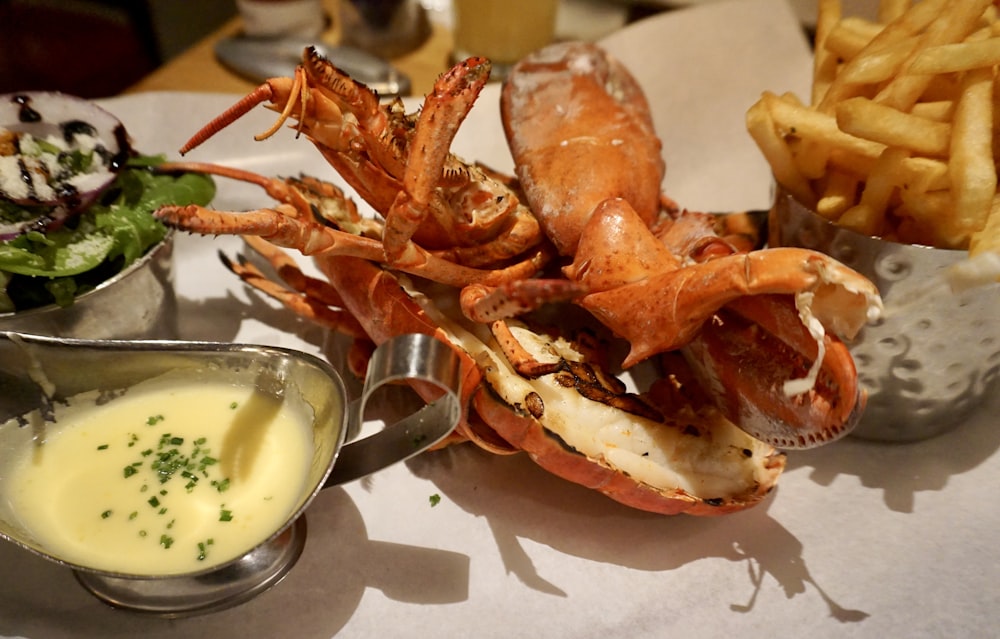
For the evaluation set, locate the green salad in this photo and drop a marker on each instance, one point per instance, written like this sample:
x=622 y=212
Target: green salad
x=54 y=266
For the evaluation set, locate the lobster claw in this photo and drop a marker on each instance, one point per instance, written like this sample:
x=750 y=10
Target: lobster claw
x=751 y=325
x=750 y=357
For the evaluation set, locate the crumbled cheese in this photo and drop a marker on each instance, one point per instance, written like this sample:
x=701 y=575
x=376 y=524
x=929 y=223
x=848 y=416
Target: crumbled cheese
x=36 y=173
x=11 y=183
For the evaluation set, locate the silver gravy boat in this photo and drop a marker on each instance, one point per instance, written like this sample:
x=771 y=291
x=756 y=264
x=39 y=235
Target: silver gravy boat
x=36 y=370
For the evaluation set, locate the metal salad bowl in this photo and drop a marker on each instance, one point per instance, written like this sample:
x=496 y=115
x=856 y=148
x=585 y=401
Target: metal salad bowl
x=150 y=311
x=36 y=371
x=933 y=357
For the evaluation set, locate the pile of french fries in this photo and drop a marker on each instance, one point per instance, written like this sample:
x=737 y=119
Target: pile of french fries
x=898 y=139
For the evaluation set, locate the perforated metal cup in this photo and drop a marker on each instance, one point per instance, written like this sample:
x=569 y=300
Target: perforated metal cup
x=929 y=363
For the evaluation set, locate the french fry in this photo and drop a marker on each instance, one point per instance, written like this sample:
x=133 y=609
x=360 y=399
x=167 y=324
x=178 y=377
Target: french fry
x=901 y=137
x=880 y=65
x=921 y=217
x=972 y=169
x=941 y=88
x=848 y=161
x=824 y=61
x=939 y=110
x=810 y=155
x=920 y=175
x=962 y=19
x=839 y=194
x=849 y=37
x=910 y=23
x=870 y=120
x=762 y=129
x=988 y=238
x=958 y=56
x=869 y=215
x=811 y=124
x=889 y=10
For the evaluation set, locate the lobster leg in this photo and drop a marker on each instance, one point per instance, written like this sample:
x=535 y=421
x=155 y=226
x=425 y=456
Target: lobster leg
x=444 y=111
x=307 y=297
x=292 y=224
x=277 y=90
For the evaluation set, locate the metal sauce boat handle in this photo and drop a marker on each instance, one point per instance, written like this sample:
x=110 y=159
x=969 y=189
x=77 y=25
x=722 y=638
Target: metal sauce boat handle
x=411 y=357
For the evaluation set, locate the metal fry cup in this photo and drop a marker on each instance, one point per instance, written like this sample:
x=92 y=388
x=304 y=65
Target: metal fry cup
x=930 y=361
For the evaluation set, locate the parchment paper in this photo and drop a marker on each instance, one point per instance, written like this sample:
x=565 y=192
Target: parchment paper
x=859 y=540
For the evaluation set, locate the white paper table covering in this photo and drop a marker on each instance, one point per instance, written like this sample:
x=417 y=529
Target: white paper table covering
x=860 y=539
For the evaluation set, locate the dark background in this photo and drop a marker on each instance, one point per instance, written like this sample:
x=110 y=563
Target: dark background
x=97 y=48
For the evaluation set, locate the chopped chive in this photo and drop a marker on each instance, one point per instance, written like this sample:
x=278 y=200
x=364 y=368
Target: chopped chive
x=102 y=447
x=132 y=515
x=233 y=405
x=166 y=541
x=435 y=499
x=129 y=471
x=225 y=515
x=105 y=514
x=154 y=502
x=203 y=548
x=154 y=419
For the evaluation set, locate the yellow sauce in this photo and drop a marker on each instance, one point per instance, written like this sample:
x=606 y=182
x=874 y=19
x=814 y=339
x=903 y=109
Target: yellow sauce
x=171 y=477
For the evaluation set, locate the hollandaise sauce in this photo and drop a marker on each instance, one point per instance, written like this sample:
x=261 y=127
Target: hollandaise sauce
x=169 y=477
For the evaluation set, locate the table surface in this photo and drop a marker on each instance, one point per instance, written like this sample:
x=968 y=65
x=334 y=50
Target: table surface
x=198 y=70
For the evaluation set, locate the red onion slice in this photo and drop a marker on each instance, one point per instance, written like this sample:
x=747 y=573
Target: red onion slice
x=41 y=132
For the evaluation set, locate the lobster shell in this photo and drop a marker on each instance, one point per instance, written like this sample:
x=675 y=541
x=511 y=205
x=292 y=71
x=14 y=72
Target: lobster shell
x=590 y=139
x=497 y=420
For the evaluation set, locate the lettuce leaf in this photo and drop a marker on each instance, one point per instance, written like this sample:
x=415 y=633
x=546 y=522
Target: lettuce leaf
x=53 y=267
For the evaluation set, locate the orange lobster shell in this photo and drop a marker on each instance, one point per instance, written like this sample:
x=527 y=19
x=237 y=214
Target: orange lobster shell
x=386 y=308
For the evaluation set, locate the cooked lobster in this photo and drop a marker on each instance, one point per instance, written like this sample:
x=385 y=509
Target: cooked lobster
x=745 y=342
